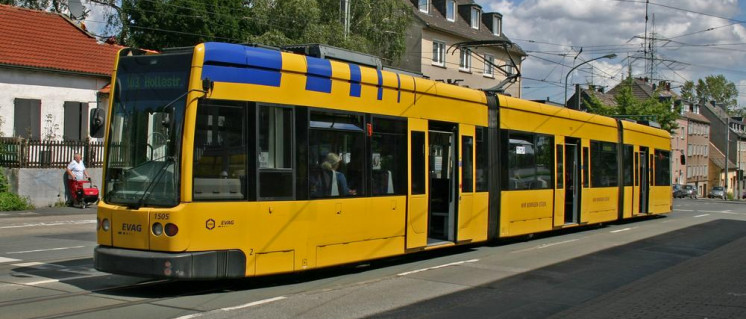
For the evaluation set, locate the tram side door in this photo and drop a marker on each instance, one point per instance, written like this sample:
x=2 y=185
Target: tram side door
x=572 y=180
x=417 y=203
x=644 y=174
x=443 y=186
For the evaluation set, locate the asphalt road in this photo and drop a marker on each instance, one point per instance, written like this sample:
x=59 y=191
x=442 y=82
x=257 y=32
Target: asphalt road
x=687 y=264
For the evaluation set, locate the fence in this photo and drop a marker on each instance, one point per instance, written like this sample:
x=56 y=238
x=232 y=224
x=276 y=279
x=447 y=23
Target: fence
x=25 y=153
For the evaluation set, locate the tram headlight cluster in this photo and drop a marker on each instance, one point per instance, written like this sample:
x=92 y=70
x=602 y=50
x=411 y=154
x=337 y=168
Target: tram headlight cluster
x=103 y=224
x=157 y=229
x=170 y=229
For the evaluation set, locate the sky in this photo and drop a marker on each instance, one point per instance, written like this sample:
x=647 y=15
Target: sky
x=691 y=40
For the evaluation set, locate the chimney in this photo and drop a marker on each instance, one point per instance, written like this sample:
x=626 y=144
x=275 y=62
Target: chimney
x=668 y=86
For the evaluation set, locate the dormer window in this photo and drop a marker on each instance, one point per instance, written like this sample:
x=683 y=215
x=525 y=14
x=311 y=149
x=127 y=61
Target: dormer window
x=424 y=6
x=475 y=17
x=451 y=10
x=497 y=25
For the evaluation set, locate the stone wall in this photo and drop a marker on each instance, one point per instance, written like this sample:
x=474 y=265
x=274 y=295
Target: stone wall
x=43 y=186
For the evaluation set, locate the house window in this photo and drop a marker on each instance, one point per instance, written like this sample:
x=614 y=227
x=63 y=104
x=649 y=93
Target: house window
x=488 y=62
x=27 y=118
x=439 y=53
x=475 y=18
x=465 y=64
x=451 y=10
x=424 y=5
x=76 y=116
x=497 y=25
x=508 y=68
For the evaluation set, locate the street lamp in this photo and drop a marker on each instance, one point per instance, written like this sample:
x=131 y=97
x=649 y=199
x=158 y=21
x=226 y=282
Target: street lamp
x=608 y=56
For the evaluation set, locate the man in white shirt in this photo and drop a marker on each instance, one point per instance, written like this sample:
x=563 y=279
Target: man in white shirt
x=76 y=169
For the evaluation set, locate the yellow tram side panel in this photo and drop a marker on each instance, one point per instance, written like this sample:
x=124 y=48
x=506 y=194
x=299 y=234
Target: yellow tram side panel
x=335 y=231
x=660 y=201
x=517 y=217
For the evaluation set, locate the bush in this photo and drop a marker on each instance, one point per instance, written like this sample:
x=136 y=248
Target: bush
x=10 y=201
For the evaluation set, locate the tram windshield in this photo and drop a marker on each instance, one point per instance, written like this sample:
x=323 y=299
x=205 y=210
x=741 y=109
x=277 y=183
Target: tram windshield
x=146 y=125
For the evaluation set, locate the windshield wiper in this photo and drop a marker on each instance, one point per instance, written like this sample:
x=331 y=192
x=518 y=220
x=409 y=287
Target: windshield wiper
x=158 y=176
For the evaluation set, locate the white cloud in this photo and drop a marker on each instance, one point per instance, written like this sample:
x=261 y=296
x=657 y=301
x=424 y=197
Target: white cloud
x=692 y=40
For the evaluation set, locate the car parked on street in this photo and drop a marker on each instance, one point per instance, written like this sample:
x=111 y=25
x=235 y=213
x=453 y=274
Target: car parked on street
x=689 y=191
x=677 y=191
x=717 y=192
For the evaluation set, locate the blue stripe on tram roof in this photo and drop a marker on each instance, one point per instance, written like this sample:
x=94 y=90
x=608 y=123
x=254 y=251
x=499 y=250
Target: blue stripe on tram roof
x=319 y=75
x=225 y=62
x=355 y=78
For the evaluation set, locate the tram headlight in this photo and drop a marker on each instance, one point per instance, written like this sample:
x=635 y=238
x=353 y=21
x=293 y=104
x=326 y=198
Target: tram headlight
x=171 y=230
x=157 y=229
x=105 y=225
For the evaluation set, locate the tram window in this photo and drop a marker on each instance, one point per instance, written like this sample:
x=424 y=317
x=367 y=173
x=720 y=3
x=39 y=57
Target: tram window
x=585 y=167
x=482 y=159
x=560 y=167
x=604 y=164
x=530 y=161
x=418 y=162
x=627 y=162
x=336 y=153
x=637 y=171
x=544 y=161
x=220 y=151
x=662 y=168
x=389 y=157
x=275 y=157
x=467 y=164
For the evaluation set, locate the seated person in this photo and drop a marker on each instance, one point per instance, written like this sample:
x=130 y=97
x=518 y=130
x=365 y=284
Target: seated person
x=336 y=186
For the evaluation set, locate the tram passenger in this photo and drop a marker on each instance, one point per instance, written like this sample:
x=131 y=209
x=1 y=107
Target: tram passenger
x=335 y=182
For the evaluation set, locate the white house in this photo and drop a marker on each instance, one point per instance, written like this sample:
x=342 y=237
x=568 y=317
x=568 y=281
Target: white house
x=52 y=72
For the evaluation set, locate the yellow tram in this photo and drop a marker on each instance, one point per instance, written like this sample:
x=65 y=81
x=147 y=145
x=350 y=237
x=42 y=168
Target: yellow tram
x=226 y=161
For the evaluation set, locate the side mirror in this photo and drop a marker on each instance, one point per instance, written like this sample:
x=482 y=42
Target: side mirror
x=683 y=159
x=97 y=123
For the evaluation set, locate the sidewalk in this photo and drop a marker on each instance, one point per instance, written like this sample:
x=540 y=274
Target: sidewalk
x=50 y=211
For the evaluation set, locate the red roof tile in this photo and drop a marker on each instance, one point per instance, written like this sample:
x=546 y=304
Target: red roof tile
x=46 y=40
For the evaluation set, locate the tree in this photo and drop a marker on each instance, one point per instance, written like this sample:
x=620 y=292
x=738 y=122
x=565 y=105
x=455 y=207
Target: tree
x=713 y=88
x=651 y=108
x=376 y=26
x=627 y=105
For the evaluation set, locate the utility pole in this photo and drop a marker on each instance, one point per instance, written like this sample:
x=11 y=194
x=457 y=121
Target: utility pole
x=344 y=9
x=727 y=149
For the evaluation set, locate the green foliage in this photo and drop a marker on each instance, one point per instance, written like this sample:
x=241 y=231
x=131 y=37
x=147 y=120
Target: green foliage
x=11 y=201
x=660 y=111
x=377 y=26
x=595 y=106
x=629 y=106
x=712 y=88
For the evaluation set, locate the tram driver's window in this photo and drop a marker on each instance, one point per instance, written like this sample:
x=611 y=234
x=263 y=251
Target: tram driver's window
x=220 y=151
x=336 y=152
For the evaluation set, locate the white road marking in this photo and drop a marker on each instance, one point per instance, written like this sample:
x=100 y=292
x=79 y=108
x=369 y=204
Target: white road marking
x=31 y=264
x=7 y=260
x=546 y=245
x=436 y=267
x=48 y=281
x=251 y=304
x=621 y=230
x=40 y=250
x=703 y=215
x=557 y=243
x=56 y=223
x=683 y=210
